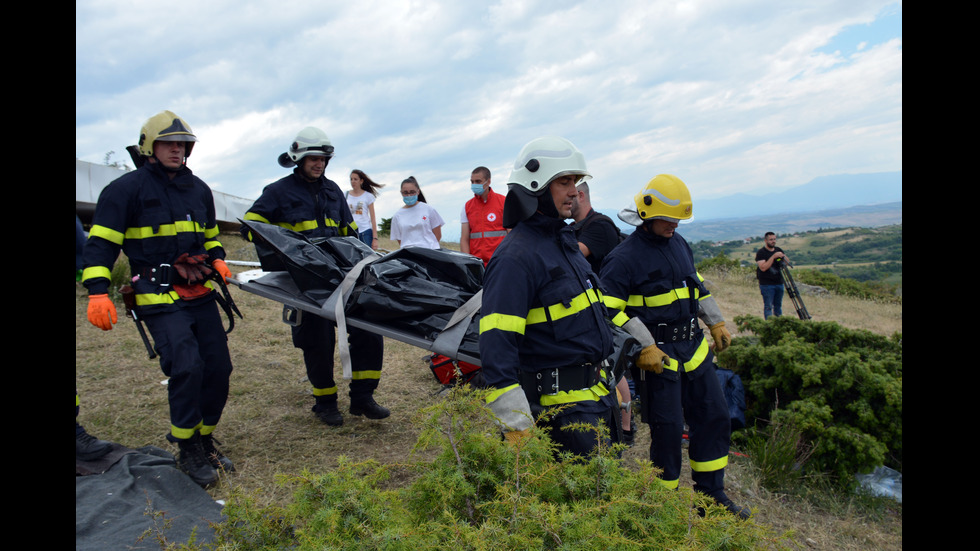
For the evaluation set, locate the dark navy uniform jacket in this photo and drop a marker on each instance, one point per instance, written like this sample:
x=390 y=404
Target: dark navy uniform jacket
x=314 y=209
x=541 y=309
x=153 y=220
x=654 y=279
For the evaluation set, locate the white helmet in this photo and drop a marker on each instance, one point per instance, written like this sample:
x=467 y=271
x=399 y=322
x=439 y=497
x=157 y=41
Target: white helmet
x=538 y=164
x=310 y=141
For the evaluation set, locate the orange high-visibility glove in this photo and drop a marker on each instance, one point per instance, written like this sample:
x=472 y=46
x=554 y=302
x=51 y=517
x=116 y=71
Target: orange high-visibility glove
x=222 y=268
x=101 y=311
x=721 y=336
x=652 y=359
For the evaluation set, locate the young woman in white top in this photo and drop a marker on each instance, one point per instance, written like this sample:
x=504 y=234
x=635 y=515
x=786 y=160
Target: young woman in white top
x=360 y=199
x=416 y=224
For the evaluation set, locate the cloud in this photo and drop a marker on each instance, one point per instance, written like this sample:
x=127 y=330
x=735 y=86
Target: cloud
x=746 y=95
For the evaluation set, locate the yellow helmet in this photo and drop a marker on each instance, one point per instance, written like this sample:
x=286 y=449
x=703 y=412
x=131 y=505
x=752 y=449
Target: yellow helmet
x=665 y=196
x=165 y=126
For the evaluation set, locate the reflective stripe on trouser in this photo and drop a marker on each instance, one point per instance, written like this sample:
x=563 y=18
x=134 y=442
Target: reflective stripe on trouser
x=193 y=350
x=316 y=337
x=667 y=402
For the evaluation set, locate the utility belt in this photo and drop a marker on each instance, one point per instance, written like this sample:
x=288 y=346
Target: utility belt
x=562 y=379
x=163 y=275
x=667 y=333
x=479 y=234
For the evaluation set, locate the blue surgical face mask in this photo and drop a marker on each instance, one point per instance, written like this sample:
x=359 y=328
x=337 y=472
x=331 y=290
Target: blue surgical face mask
x=410 y=199
x=477 y=189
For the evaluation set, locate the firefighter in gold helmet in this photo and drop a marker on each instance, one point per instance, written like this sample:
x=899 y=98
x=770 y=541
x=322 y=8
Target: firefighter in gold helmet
x=162 y=217
x=650 y=279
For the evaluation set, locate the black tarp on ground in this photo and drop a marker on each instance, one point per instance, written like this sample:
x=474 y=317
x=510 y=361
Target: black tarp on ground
x=111 y=507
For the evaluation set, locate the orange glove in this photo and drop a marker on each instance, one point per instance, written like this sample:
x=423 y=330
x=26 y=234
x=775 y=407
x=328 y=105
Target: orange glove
x=721 y=336
x=652 y=359
x=222 y=268
x=101 y=312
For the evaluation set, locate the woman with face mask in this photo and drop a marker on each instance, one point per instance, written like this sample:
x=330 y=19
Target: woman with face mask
x=416 y=224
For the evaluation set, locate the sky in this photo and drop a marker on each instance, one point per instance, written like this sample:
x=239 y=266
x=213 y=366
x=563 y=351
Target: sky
x=731 y=96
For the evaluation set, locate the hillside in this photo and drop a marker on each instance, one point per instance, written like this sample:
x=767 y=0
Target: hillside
x=268 y=430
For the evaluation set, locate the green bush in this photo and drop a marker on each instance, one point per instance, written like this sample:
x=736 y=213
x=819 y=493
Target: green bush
x=846 y=286
x=720 y=262
x=482 y=493
x=840 y=388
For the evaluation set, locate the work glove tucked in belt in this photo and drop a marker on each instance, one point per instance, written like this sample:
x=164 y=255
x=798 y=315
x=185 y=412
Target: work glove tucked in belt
x=192 y=268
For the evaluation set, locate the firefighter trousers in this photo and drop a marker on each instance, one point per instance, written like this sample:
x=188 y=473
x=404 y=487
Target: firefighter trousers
x=671 y=399
x=316 y=337
x=193 y=350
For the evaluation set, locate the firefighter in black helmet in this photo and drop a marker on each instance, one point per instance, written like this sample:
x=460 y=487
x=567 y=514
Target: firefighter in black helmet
x=162 y=217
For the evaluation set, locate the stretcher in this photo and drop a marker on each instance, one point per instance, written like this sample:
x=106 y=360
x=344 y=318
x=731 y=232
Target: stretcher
x=279 y=287
x=424 y=298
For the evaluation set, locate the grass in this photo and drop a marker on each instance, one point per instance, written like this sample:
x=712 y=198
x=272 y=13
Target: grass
x=268 y=429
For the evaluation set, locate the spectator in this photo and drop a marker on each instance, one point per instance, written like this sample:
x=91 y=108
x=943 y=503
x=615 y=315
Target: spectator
x=768 y=261
x=360 y=199
x=482 y=218
x=416 y=224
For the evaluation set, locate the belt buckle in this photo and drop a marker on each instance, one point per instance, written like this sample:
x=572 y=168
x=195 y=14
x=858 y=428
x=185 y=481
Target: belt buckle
x=164 y=275
x=554 y=384
x=659 y=333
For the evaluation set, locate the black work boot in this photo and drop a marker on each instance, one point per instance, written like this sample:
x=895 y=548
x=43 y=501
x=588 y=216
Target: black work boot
x=366 y=406
x=742 y=513
x=326 y=411
x=214 y=455
x=88 y=447
x=193 y=462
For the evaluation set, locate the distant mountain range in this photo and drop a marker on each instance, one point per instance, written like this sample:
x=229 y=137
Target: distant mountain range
x=842 y=200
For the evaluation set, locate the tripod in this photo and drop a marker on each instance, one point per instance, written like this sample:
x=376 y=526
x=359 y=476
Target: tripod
x=793 y=292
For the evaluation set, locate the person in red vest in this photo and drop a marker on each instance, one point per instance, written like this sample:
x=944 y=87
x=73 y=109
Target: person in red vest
x=482 y=218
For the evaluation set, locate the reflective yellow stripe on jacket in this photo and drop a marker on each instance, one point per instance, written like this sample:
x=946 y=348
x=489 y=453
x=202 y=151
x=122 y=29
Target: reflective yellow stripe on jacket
x=516 y=324
x=306 y=225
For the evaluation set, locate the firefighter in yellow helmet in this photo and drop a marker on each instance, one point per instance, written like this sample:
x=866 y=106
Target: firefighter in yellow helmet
x=162 y=217
x=650 y=279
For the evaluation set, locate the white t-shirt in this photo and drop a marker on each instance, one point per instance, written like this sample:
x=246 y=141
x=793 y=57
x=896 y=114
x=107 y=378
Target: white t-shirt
x=359 y=208
x=413 y=226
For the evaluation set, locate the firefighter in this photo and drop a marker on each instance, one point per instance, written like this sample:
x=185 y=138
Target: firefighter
x=307 y=202
x=544 y=336
x=650 y=278
x=162 y=217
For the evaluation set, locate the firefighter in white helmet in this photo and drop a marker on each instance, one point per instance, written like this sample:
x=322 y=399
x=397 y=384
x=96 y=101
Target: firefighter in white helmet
x=308 y=202
x=650 y=279
x=544 y=337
